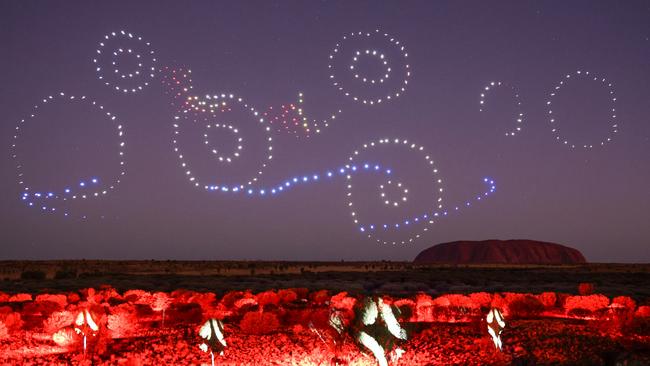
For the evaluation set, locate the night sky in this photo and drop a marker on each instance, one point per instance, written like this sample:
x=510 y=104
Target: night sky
x=596 y=200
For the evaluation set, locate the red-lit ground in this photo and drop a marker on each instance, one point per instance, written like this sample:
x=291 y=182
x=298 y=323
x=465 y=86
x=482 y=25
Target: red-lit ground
x=291 y=327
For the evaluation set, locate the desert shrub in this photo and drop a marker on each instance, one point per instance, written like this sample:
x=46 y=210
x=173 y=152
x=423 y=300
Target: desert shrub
x=481 y=299
x=59 y=299
x=548 y=299
x=229 y=299
x=57 y=321
x=624 y=302
x=255 y=322
x=184 y=313
x=73 y=298
x=585 y=289
x=32 y=275
x=287 y=296
x=123 y=321
x=65 y=337
x=63 y=274
x=41 y=308
x=342 y=301
x=4 y=332
x=527 y=306
x=268 y=298
x=20 y=297
x=12 y=321
x=643 y=312
x=319 y=297
x=590 y=303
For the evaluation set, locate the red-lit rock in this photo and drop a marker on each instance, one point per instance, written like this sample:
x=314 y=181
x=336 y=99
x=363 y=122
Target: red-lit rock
x=499 y=251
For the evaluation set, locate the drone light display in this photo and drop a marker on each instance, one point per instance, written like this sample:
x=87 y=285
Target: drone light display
x=519 y=118
x=52 y=199
x=212 y=113
x=365 y=88
x=554 y=121
x=115 y=47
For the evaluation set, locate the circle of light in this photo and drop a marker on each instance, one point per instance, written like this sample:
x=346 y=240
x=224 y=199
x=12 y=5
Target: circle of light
x=612 y=98
x=212 y=104
x=383 y=194
x=437 y=182
x=519 y=119
x=144 y=72
x=235 y=131
x=401 y=88
x=84 y=189
x=382 y=59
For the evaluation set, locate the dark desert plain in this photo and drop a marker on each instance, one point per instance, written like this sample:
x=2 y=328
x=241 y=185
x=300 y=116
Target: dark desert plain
x=378 y=277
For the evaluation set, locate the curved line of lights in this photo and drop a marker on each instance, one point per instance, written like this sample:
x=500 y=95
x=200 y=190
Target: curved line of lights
x=519 y=119
x=193 y=109
x=84 y=189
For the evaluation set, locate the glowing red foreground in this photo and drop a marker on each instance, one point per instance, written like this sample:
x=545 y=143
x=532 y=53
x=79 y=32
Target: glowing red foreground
x=298 y=327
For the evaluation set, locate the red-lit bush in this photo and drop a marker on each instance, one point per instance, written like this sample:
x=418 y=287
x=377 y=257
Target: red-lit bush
x=4 y=331
x=481 y=299
x=255 y=322
x=20 y=298
x=123 y=321
x=578 y=305
x=267 y=298
x=585 y=289
x=319 y=297
x=58 y=320
x=525 y=307
x=287 y=296
x=548 y=299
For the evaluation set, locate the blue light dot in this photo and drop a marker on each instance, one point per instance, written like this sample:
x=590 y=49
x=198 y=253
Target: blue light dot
x=82 y=184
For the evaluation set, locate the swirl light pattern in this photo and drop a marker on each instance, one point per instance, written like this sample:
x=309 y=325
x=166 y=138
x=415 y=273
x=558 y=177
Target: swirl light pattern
x=51 y=200
x=210 y=105
x=612 y=98
x=419 y=223
x=519 y=118
x=351 y=50
x=116 y=46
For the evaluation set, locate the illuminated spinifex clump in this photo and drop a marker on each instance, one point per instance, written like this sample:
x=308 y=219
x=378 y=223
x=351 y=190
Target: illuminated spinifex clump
x=519 y=118
x=346 y=67
x=612 y=98
x=119 y=48
x=52 y=199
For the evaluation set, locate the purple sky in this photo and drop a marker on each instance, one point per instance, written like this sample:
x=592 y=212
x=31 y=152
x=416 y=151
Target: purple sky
x=595 y=200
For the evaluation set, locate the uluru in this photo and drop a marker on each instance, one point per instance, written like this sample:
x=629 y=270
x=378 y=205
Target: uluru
x=500 y=252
